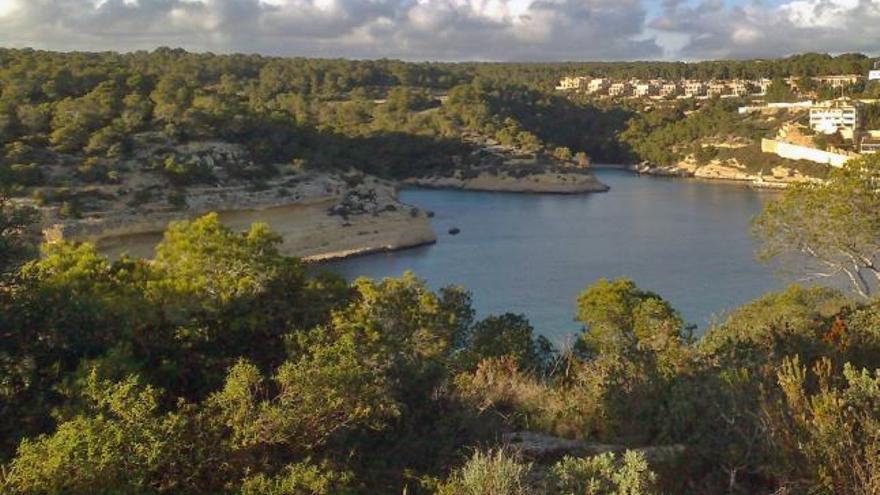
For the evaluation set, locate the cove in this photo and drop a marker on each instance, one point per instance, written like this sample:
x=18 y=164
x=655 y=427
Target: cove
x=687 y=240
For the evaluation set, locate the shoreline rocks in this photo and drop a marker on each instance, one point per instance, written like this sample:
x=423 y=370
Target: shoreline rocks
x=731 y=171
x=548 y=182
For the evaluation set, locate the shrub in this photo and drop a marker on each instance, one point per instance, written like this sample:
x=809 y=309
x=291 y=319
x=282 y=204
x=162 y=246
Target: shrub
x=829 y=438
x=496 y=472
x=604 y=475
x=297 y=479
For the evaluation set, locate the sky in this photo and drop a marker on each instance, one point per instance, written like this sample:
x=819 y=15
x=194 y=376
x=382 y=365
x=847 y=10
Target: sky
x=452 y=30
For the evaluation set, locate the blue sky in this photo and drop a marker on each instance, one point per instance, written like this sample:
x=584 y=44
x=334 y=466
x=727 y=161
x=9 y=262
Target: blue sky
x=452 y=29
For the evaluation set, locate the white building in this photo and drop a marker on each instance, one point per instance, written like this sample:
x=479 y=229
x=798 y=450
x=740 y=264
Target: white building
x=642 y=89
x=598 y=85
x=874 y=75
x=694 y=88
x=619 y=89
x=670 y=89
x=570 y=83
x=829 y=117
x=841 y=81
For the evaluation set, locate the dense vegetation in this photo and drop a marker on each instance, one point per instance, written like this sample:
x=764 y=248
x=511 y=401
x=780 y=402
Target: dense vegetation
x=75 y=120
x=222 y=367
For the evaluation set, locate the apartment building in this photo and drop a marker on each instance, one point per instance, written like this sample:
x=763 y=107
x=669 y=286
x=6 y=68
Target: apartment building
x=669 y=89
x=832 y=116
x=874 y=75
x=645 y=89
x=572 y=83
x=838 y=81
x=619 y=89
x=694 y=88
x=716 y=88
x=598 y=85
x=740 y=88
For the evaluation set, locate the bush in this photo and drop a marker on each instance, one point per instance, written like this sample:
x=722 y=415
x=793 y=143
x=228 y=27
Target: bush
x=297 y=479
x=603 y=475
x=829 y=437
x=496 y=472
x=27 y=175
x=181 y=173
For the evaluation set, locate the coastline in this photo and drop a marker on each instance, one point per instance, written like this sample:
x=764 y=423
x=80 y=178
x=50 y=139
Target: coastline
x=540 y=183
x=730 y=171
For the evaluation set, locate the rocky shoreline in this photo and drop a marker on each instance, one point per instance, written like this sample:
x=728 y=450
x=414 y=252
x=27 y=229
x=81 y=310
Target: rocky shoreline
x=319 y=217
x=729 y=170
x=548 y=182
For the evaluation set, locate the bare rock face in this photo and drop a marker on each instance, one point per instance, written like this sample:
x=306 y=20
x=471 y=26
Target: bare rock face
x=541 y=447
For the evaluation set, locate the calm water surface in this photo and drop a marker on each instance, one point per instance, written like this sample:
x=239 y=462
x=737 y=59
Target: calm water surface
x=532 y=254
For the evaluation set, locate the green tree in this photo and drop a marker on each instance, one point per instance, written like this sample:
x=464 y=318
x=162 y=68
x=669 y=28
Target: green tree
x=508 y=335
x=834 y=225
x=779 y=91
x=620 y=318
x=16 y=234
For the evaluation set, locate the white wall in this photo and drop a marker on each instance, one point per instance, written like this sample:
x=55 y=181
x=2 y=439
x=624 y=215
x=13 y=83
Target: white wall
x=795 y=152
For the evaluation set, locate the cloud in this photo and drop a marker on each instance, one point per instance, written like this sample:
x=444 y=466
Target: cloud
x=758 y=30
x=410 y=29
x=451 y=29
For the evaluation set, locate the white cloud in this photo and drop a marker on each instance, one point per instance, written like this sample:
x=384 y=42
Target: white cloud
x=758 y=30
x=413 y=29
x=449 y=29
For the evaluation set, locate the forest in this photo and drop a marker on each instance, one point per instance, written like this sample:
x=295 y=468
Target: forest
x=222 y=366
x=85 y=114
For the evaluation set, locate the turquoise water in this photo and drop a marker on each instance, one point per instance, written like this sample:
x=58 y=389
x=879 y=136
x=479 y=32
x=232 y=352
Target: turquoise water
x=532 y=254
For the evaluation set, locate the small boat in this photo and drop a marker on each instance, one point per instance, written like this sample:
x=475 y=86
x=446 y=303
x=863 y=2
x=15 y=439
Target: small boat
x=454 y=231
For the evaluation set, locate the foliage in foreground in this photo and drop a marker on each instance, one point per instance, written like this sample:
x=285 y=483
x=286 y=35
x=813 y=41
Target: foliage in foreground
x=172 y=376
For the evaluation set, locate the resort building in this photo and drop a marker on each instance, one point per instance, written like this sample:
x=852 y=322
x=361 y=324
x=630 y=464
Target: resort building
x=572 y=83
x=669 y=89
x=874 y=75
x=740 y=88
x=694 y=88
x=838 y=81
x=643 y=89
x=619 y=89
x=598 y=85
x=832 y=116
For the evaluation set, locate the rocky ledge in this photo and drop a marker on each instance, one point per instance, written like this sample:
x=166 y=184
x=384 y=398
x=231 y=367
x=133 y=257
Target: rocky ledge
x=320 y=216
x=554 y=182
